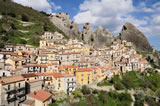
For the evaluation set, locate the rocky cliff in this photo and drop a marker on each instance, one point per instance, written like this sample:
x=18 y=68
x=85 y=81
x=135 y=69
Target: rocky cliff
x=63 y=22
x=130 y=33
x=100 y=37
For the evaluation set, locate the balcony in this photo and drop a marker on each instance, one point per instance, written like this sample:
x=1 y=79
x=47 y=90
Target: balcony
x=71 y=86
x=71 y=81
x=11 y=98
x=21 y=88
x=12 y=90
x=20 y=94
x=22 y=99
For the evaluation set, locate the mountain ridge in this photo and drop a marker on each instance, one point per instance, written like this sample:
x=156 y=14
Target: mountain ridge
x=16 y=27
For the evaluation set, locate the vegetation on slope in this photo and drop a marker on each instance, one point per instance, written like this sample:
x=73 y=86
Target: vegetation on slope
x=90 y=97
x=150 y=57
x=148 y=80
x=22 y=25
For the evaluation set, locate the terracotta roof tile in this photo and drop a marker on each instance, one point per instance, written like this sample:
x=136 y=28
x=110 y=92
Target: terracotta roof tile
x=29 y=75
x=11 y=79
x=62 y=67
x=84 y=70
x=40 y=95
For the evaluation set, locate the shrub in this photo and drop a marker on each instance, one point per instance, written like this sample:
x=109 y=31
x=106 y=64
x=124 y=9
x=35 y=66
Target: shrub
x=25 y=18
x=12 y=14
x=118 y=85
x=77 y=94
x=102 y=97
x=85 y=90
x=95 y=91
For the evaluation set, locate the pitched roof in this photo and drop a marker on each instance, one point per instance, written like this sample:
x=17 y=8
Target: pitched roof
x=67 y=75
x=40 y=95
x=11 y=79
x=28 y=102
x=84 y=70
x=29 y=75
x=57 y=75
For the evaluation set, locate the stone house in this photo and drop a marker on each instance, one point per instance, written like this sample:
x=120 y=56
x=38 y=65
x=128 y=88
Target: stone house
x=42 y=59
x=36 y=68
x=12 y=90
x=33 y=83
x=40 y=98
x=9 y=48
x=69 y=83
x=4 y=73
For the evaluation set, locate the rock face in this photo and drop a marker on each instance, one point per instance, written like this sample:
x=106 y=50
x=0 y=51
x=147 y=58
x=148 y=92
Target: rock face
x=63 y=22
x=86 y=33
x=100 y=37
x=131 y=34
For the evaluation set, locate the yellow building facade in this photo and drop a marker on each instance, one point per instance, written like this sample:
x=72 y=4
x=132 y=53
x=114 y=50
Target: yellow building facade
x=84 y=76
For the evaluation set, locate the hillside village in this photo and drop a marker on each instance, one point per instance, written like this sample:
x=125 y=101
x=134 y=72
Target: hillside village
x=35 y=76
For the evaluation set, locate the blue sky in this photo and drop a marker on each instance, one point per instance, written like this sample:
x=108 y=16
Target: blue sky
x=110 y=14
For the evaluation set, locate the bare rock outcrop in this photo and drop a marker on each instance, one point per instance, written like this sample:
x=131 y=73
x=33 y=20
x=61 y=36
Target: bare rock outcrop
x=101 y=37
x=87 y=33
x=131 y=34
x=63 y=22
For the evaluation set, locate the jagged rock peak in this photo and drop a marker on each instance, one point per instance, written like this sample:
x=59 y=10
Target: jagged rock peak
x=62 y=15
x=104 y=31
x=87 y=26
x=100 y=28
x=131 y=34
x=63 y=22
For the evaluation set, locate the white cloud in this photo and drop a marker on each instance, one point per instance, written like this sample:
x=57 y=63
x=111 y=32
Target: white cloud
x=55 y=7
x=111 y=14
x=41 y=5
x=149 y=10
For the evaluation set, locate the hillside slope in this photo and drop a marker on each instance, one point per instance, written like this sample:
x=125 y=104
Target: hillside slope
x=22 y=25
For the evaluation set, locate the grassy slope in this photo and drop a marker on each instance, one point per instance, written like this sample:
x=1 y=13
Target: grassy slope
x=11 y=23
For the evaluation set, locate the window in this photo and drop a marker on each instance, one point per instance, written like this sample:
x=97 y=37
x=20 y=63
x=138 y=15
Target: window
x=19 y=85
x=82 y=75
x=3 y=74
x=82 y=80
x=9 y=87
x=59 y=85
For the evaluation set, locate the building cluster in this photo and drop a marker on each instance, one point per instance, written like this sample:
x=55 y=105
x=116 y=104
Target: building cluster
x=29 y=73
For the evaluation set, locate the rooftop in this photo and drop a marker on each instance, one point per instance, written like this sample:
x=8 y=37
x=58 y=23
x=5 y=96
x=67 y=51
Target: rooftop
x=40 y=95
x=11 y=79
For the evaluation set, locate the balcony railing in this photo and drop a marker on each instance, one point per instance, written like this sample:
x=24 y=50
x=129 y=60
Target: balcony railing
x=21 y=88
x=11 y=98
x=71 y=81
x=71 y=86
x=19 y=94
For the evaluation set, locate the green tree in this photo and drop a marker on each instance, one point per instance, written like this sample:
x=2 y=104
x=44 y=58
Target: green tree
x=102 y=96
x=25 y=18
x=77 y=93
x=85 y=90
